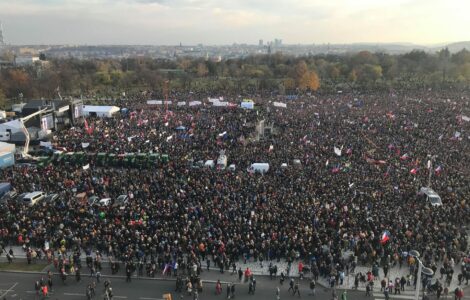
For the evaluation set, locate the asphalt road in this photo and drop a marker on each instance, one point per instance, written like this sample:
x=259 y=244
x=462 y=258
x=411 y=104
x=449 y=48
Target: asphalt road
x=20 y=286
x=17 y=286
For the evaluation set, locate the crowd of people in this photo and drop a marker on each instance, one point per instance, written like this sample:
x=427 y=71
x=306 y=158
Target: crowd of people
x=344 y=170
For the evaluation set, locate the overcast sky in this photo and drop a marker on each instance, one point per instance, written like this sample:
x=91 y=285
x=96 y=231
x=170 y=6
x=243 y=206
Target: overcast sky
x=168 y=22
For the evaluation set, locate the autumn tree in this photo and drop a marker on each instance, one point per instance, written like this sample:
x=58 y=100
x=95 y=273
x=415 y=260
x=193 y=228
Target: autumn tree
x=202 y=70
x=304 y=78
x=18 y=81
x=309 y=81
x=3 y=99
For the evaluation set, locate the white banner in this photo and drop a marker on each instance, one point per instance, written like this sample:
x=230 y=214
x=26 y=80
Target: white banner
x=280 y=104
x=45 y=144
x=194 y=103
x=154 y=102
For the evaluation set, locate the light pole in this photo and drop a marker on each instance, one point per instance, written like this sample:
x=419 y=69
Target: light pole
x=421 y=269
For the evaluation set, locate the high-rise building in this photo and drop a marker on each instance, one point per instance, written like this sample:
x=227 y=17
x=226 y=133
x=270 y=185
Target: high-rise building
x=277 y=42
x=2 y=40
x=261 y=43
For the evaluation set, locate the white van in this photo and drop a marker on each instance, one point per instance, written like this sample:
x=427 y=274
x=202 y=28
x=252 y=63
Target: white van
x=259 y=167
x=431 y=196
x=222 y=162
x=33 y=198
x=209 y=164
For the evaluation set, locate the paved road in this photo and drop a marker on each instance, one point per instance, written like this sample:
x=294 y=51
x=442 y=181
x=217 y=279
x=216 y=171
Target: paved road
x=15 y=286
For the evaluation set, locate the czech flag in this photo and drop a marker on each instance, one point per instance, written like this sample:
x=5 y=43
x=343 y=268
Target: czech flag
x=414 y=171
x=385 y=237
x=438 y=170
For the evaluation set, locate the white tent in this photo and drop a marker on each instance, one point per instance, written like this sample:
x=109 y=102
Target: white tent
x=100 y=111
x=14 y=126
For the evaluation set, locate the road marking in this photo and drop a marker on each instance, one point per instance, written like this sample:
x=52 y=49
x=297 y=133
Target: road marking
x=73 y=294
x=9 y=290
x=146 y=298
x=120 y=297
x=394 y=297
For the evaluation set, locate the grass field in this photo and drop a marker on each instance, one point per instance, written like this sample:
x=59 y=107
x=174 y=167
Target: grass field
x=22 y=266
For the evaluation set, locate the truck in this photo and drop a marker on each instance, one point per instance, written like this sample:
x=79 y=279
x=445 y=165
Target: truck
x=259 y=167
x=5 y=187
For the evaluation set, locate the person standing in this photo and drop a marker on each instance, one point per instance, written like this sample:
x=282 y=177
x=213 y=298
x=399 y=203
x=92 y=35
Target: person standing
x=228 y=290
x=312 y=287
x=232 y=290
x=49 y=279
x=78 y=276
x=218 y=288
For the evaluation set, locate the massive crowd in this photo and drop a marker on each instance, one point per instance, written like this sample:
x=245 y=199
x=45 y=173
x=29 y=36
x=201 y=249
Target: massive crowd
x=314 y=209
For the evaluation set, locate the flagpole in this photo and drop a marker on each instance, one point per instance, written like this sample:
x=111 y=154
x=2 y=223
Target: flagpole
x=430 y=169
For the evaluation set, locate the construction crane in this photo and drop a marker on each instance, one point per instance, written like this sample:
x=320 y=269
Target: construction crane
x=25 y=130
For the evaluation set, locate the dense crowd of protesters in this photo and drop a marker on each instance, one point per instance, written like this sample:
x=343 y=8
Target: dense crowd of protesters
x=314 y=209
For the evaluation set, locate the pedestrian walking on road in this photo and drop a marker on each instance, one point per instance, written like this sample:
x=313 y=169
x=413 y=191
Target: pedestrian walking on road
x=296 y=289
x=228 y=290
x=368 y=288
x=278 y=293
x=250 y=288
x=291 y=285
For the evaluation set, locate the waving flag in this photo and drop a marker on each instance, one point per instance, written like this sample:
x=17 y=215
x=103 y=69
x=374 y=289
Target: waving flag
x=404 y=156
x=89 y=129
x=337 y=151
x=385 y=237
x=438 y=170
x=414 y=171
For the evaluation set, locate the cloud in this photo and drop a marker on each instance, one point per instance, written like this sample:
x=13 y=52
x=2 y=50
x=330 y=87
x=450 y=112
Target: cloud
x=227 y=21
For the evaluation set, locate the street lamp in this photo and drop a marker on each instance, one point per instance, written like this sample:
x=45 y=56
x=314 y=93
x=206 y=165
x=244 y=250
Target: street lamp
x=421 y=269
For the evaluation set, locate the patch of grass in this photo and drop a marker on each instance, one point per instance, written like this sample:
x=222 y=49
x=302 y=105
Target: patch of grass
x=22 y=266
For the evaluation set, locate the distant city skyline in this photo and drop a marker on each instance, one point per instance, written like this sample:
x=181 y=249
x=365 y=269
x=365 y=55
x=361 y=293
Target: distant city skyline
x=224 y=22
